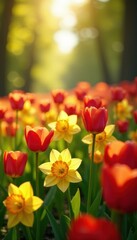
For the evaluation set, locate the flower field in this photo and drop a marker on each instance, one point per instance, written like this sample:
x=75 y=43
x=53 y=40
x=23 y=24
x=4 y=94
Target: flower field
x=68 y=168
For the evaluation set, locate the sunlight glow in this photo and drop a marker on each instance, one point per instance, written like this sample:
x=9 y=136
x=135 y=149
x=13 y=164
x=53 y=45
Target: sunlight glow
x=66 y=40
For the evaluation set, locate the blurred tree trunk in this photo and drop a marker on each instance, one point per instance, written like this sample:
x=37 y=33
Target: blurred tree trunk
x=5 y=22
x=128 y=69
x=100 y=46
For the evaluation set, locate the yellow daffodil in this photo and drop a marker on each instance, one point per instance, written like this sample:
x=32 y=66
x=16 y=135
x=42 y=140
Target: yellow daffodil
x=123 y=110
x=61 y=170
x=65 y=127
x=20 y=204
x=100 y=142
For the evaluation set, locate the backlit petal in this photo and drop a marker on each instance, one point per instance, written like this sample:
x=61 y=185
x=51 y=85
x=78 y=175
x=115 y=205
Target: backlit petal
x=109 y=129
x=75 y=163
x=52 y=125
x=54 y=155
x=88 y=139
x=63 y=115
x=74 y=129
x=74 y=177
x=68 y=138
x=72 y=119
x=66 y=156
x=46 y=167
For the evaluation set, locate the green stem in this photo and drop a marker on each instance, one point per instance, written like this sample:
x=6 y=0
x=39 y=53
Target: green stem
x=91 y=171
x=37 y=175
x=37 y=194
x=29 y=237
x=69 y=203
x=120 y=220
x=16 y=125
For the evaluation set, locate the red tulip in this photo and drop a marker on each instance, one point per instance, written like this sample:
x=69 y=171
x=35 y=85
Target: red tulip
x=122 y=125
x=135 y=116
x=121 y=152
x=58 y=96
x=17 y=100
x=14 y=163
x=92 y=102
x=38 y=138
x=118 y=93
x=95 y=119
x=2 y=112
x=86 y=227
x=119 y=184
x=45 y=105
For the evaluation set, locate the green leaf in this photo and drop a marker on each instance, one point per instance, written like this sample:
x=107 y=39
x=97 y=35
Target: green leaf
x=55 y=226
x=50 y=196
x=94 y=208
x=64 y=224
x=75 y=202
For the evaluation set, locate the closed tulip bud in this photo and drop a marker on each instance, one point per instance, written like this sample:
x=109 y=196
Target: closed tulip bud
x=95 y=119
x=86 y=227
x=17 y=100
x=118 y=93
x=58 y=96
x=14 y=163
x=92 y=102
x=38 y=138
x=122 y=125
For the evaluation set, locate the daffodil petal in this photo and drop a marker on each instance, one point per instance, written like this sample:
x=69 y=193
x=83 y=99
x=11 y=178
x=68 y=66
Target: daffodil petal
x=52 y=125
x=50 y=181
x=36 y=202
x=88 y=139
x=27 y=219
x=109 y=129
x=62 y=115
x=72 y=119
x=75 y=163
x=68 y=138
x=63 y=185
x=13 y=220
x=66 y=156
x=26 y=190
x=45 y=167
x=74 y=177
x=74 y=129
x=54 y=155
x=12 y=189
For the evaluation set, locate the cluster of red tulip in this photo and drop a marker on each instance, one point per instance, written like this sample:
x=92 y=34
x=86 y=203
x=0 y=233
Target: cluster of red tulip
x=39 y=135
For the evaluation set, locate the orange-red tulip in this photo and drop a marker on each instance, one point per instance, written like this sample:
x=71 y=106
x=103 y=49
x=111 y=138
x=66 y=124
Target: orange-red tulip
x=121 y=152
x=119 y=184
x=122 y=125
x=38 y=138
x=117 y=93
x=95 y=119
x=92 y=102
x=14 y=163
x=58 y=95
x=86 y=227
x=17 y=100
